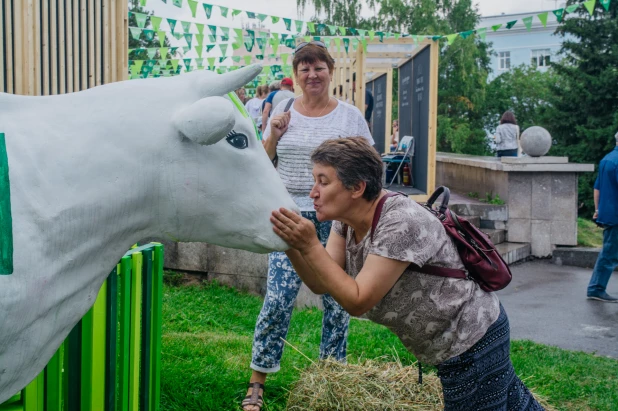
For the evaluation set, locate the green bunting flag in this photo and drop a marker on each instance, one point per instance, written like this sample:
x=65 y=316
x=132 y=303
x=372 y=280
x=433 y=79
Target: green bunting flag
x=482 y=33
x=140 y=19
x=333 y=30
x=354 y=44
x=209 y=47
x=178 y=36
x=364 y=42
x=156 y=22
x=187 y=63
x=161 y=35
x=307 y=39
x=327 y=41
x=207 y=10
x=590 y=6
x=299 y=25
x=496 y=27
x=142 y=3
x=200 y=39
x=260 y=43
x=605 y=3
x=288 y=24
x=342 y=30
x=200 y=63
x=380 y=35
x=236 y=45
x=135 y=32
x=211 y=63
x=186 y=49
x=274 y=42
x=290 y=43
x=173 y=51
x=188 y=39
x=223 y=11
x=572 y=8
x=559 y=14
x=163 y=52
x=212 y=38
x=322 y=30
x=353 y=31
x=284 y=59
x=311 y=27
x=223 y=48
x=543 y=18
x=372 y=34
x=186 y=26
x=261 y=17
x=274 y=19
x=251 y=33
x=338 y=43
x=174 y=64
x=250 y=14
x=213 y=29
x=249 y=43
x=151 y=52
x=236 y=12
x=177 y=3
x=226 y=31
x=199 y=50
x=527 y=22
x=247 y=59
x=362 y=33
x=436 y=38
x=193 y=7
x=346 y=44
x=451 y=38
x=172 y=23
x=510 y=24
x=464 y=35
x=200 y=27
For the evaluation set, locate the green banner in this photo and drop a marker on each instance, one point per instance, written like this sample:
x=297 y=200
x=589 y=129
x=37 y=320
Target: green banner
x=481 y=32
x=572 y=8
x=207 y=10
x=188 y=39
x=496 y=27
x=200 y=27
x=559 y=14
x=156 y=22
x=346 y=44
x=224 y=11
x=186 y=26
x=140 y=18
x=299 y=26
x=274 y=19
x=193 y=7
x=510 y=24
x=161 y=35
x=172 y=23
x=543 y=18
x=288 y=24
x=527 y=22
x=605 y=3
x=589 y=5
x=136 y=32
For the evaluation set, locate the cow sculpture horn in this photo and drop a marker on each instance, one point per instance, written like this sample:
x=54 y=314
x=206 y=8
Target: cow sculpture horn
x=231 y=81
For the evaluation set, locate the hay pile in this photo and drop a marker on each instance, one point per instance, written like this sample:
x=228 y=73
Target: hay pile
x=370 y=385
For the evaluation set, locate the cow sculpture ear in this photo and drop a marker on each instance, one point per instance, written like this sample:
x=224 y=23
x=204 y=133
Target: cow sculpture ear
x=206 y=121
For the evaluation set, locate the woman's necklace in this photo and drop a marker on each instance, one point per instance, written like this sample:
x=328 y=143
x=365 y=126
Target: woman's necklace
x=307 y=111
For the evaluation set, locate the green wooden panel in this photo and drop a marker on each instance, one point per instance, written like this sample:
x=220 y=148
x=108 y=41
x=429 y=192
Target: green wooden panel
x=111 y=339
x=15 y=406
x=53 y=382
x=93 y=354
x=124 y=333
x=146 y=327
x=134 y=356
x=157 y=307
x=74 y=368
x=34 y=393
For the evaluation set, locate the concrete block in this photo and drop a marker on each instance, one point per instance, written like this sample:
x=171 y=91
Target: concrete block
x=541 y=205
x=541 y=238
x=577 y=256
x=495 y=236
x=192 y=257
x=492 y=224
x=252 y=284
x=484 y=211
x=513 y=252
x=535 y=160
x=230 y=261
x=519 y=230
x=564 y=232
x=520 y=195
x=564 y=196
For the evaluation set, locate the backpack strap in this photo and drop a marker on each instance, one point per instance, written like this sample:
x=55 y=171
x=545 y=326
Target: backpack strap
x=377 y=213
x=289 y=104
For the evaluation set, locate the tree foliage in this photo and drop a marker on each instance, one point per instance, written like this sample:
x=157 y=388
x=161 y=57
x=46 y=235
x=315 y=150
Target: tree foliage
x=584 y=102
x=463 y=66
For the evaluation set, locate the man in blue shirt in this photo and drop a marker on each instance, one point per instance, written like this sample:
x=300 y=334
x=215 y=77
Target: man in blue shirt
x=606 y=214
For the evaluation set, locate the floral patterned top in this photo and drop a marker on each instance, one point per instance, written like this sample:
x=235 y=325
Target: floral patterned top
x=436 y=318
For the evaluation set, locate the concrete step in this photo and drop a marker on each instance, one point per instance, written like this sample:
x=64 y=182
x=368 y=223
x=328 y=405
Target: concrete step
x=473 y=219
x=493 y=224
x=485 y=211
x=513 y=252
x=496 y=236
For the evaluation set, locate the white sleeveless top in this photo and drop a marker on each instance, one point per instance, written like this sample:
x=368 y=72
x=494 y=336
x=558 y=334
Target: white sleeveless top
x=304 y=135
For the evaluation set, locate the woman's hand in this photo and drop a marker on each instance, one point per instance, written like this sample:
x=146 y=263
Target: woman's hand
x=295 y=230
x=279 y=125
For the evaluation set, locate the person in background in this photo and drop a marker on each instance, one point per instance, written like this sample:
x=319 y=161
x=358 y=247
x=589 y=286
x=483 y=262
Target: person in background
x=606 y=215
x=286 y=92
x=274 y=88
x=395 y=136
x=254 y=107
x=368 y=107
x=507 y=136
x=447 y=322
x=241 y=95
x=290 y=137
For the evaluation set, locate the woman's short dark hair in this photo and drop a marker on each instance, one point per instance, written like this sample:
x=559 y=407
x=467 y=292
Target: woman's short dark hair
x=508 y=117
x=310 y=54
x=354 y=160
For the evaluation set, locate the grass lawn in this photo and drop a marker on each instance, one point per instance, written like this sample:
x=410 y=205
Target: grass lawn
x=588 y=234
x=208 y=330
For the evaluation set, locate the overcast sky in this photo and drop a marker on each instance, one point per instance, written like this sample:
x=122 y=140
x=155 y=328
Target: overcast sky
x=287 y=8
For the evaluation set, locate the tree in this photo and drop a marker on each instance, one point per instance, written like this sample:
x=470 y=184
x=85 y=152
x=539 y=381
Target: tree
x=463 y=66
x=584 y=109
x=525 y=91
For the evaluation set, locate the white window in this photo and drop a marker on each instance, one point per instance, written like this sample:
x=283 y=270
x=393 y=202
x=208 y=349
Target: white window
x=541 y=58
x=505 y=60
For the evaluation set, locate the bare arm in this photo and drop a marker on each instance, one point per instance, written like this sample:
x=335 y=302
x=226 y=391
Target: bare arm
x=265 y=114
x=597 y=195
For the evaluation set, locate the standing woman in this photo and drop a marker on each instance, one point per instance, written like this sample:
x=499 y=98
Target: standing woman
x=290 y=138
x=507 y=136
x=371 y=266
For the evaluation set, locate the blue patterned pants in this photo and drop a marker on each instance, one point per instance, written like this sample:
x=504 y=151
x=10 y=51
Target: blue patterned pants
x=274 y=319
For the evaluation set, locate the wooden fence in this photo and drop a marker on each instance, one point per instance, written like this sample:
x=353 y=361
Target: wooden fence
x=61 y=46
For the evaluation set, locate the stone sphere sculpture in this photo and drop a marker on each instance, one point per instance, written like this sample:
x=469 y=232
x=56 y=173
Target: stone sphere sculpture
x=535 y=141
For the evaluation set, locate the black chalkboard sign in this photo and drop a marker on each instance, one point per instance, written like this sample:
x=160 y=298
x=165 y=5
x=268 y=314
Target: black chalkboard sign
x=405 y=99
x=420 y=117
x=377 y=88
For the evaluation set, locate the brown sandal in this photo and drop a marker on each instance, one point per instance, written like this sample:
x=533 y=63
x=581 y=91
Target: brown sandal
x=255 y=398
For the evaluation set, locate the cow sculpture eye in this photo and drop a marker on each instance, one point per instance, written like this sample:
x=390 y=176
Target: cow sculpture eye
x=237 y=140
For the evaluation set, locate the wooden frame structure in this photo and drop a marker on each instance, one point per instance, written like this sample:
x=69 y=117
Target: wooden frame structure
x=62 y=46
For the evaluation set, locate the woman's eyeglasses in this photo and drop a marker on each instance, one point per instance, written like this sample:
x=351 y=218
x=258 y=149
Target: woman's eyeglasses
x=315 y=43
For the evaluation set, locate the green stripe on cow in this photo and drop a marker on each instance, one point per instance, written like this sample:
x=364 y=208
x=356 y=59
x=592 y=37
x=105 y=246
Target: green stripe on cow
x=6 y=222
x=238 y=104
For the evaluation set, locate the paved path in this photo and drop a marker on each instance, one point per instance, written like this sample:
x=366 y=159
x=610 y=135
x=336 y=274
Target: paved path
x=547 y=304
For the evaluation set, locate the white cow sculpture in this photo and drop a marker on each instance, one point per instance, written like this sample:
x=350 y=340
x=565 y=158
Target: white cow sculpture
x=93 y=172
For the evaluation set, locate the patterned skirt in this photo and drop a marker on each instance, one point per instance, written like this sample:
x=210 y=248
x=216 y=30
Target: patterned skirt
x=483 y=377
